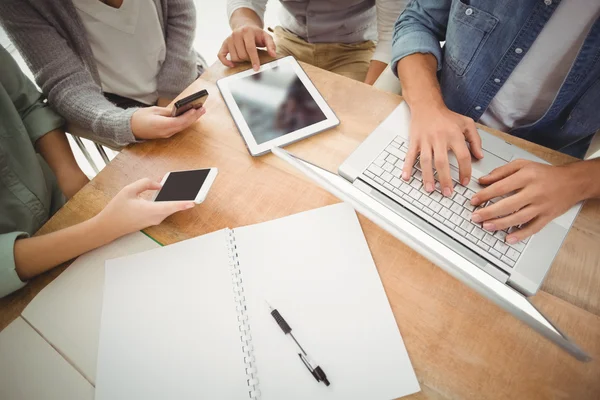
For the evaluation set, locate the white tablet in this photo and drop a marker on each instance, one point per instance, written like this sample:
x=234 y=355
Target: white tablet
x=276 y=105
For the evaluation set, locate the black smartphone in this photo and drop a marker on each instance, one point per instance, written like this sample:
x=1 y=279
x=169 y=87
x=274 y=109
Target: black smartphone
x=195 y=100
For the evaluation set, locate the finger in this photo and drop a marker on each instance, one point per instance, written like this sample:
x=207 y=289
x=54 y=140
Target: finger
x=502 y=208
x=463 y=157
x=233 y=51
x=250 y=44
x=502 y=172
x=270 y=44
x=472 y=136
x=443 y=170
x=177 y=124
x=166 y=208
x=425 y=162
x=531 y=228
x=142 y=185
x=409 y=161
x=520 y=217
x=240 y=47
x=222 y=55
x=499 y=189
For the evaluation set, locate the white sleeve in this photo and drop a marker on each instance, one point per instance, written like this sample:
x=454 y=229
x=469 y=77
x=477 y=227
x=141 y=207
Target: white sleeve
x=388 y=12
x=258 y=6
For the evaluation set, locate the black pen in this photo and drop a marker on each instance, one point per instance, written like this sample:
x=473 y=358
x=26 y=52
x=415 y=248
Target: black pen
x=316 y=371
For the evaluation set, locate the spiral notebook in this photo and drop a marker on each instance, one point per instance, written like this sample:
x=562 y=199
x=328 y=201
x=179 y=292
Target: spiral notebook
x=191 y=320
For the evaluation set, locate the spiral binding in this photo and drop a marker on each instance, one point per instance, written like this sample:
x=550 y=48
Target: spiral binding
x=244 y=325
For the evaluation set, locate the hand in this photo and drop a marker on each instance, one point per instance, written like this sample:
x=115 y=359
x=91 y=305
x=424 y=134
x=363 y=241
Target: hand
x=434 y=131
x=127 y=212
x=72 y=182
x=157 y=123
x=542 y=193
x=242 y=44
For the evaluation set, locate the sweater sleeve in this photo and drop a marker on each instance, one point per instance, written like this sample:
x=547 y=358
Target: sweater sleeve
x=179 y=69
x=63 y=77
x=9 y=280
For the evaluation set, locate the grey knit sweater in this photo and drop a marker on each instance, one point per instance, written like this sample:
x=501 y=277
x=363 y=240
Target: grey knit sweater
x=51 y=37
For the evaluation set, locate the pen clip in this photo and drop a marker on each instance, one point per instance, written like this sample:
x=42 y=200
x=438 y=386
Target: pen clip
x=309 y=367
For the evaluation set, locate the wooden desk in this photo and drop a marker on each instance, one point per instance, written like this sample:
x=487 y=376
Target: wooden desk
x=461 y=345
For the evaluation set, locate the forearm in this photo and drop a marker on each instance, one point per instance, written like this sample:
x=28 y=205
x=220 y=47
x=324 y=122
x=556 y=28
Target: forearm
x=38 y=254
x=54 y=148
x=375 y=69
x=586 y=174
x=244 y=17
x=420 y=87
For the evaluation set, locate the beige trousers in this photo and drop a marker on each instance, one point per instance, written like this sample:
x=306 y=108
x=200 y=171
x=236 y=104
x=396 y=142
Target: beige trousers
x=350 y=60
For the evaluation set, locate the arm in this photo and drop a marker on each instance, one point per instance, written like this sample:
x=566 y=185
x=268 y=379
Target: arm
x=245 y=19
x=387 y=13
x=24 y=257
x=416 y=58
x=540 y=193
x=62 y=76
x=55 y=149
x=179 y=69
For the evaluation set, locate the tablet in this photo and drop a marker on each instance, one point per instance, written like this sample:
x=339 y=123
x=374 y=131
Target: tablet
x=276 y=105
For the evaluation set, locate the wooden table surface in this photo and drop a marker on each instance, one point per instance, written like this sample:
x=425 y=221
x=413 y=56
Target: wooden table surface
x=462 y=346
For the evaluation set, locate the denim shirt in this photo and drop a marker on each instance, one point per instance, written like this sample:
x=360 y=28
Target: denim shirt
x=485 y=40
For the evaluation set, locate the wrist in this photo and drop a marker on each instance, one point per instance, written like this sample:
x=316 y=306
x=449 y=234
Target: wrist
x=103 y=229
x=583 y=176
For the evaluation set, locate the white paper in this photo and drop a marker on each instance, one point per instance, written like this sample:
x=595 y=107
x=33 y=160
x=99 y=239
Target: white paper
x=317 y=270
x=169 y=325
x=67 y=311
x=30 y=369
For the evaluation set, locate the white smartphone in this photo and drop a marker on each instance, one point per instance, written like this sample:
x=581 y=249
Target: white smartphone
x=191 y=185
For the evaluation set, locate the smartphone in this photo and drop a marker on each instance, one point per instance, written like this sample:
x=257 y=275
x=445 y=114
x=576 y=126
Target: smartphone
x=191 y=185
x=195 y=100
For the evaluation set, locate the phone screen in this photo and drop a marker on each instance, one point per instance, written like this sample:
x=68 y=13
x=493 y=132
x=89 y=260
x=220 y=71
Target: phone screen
x=182 y=185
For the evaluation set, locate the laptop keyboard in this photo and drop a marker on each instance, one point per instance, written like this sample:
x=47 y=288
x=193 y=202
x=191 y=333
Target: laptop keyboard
x=451 y=215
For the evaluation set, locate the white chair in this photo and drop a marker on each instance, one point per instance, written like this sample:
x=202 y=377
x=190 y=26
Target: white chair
x=388 y=82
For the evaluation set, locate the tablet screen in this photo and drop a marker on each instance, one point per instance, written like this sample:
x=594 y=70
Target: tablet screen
x=275 y=102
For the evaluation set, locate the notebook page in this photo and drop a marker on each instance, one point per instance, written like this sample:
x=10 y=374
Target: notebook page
x=67 y=311
x=169 y=325
x=317 y=270
x=30 y=369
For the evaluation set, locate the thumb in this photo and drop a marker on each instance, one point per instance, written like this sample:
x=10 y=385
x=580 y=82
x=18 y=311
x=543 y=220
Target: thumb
x=474 y=140
x=269 y=44
x=166 y=208
x=162 y=111
x=142 y=185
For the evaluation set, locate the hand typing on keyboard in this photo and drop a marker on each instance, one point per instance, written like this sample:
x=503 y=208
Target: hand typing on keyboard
x=432 y=134
x=542 y=193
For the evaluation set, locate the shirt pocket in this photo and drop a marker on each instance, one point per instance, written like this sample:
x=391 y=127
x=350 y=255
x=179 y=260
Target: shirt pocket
x=468 y=30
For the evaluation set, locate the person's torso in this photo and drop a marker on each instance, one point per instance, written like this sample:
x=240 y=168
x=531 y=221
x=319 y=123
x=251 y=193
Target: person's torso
x=330 y=21
x=28 y=190
x=128 y=45
x=485 y=43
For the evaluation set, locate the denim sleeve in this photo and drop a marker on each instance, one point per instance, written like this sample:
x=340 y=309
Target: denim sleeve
x=9 y=280
x=420 y=29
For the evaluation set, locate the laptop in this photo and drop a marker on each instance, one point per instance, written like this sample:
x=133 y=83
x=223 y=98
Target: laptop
x=440 y=228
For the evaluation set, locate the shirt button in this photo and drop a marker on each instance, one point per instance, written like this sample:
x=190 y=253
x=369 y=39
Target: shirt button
x=548 y=2
x=518 y=50
x=497 y=80
x=478 y=108
x=469 y=11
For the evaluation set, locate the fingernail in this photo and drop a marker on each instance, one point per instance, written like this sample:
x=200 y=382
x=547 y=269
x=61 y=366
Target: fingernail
x=405 y=176
x=429 y=187
x=474 y=201
x=465 y=181
x=488 y=226
x=447 y=192
x=512 y=239
x=476 y=218
x=189 y=205
x=255 y=66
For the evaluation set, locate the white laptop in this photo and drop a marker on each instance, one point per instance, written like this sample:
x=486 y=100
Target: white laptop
x=440 y=228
